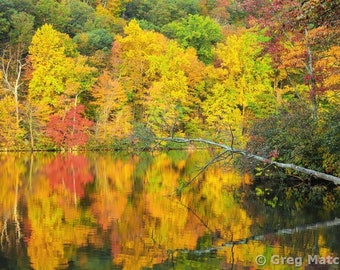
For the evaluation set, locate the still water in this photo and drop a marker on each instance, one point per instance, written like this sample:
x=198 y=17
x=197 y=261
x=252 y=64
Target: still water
x=123 y=211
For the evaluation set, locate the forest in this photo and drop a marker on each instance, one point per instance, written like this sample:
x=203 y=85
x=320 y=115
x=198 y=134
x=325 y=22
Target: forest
x=260 y=75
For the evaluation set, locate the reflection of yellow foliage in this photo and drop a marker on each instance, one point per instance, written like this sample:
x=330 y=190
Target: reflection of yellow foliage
x=52 y=227
x=114 y=183
x=140 y=222
x=10 y=170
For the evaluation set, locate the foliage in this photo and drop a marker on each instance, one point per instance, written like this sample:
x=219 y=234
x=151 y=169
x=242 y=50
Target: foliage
x=241 y=87
x=59 y=74
x=297 y=139
x=90 y=42
x=156 y=77
x=113 y=116
x=69 y=130
x=161 y=12
x=79 y=14
x=300 y=45
x=11 y=135
x=51 y=12
x=196 y=31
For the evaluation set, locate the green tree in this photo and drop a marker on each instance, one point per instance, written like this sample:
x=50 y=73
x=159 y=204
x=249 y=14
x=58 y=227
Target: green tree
x=196 y=31
x=89 y=42
x=79 y=14
x=161 y=12
x=51 y=12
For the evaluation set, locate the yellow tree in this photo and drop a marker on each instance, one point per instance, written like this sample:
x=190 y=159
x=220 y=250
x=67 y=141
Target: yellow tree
x=159 y=78
x=112 y=111
x=10 y=108
x=242 y=84
x=116 y=7
x=130 y=59
x=169 y=92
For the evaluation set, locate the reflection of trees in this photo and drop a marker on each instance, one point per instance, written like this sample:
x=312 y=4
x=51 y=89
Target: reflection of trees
x=112 y=186
x=70 y=172
x=12 y=170
x=154 y=223
x=270 y=220
x=127 y=211
x=58 y=225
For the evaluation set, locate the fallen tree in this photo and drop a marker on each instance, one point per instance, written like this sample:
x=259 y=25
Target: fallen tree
x=320 y=175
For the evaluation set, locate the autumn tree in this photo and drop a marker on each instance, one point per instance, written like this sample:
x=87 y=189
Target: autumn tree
x=304 y=36
x=156 y=76
x=304 y=48
x=13 y=52
x=113 y=115
x=241 y=85
x=59 y=77
x=70 y=130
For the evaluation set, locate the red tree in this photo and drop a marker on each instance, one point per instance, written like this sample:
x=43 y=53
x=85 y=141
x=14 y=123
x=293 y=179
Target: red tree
x=70 y=130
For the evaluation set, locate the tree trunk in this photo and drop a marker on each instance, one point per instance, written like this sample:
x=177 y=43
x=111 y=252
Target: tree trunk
x=12 y=68
x=320 y=175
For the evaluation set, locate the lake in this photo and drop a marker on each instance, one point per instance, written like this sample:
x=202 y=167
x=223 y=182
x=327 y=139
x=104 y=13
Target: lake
x=124 y=211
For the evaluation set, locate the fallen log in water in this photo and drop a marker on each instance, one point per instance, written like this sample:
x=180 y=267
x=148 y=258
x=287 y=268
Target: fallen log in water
x=320 y=175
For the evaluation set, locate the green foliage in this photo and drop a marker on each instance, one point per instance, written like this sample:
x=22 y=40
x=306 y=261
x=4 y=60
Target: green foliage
x=80 y=13
x=22 y=28
x=161 y=12
x=298 y=138
x=196 y=31
x=89 y=42
x=6 y=11
x=51 y=12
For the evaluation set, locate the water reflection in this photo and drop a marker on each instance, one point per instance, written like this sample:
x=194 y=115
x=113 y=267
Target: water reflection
x=121 y=211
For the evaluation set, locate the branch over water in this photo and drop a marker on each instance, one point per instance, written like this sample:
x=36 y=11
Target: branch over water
x=320 y=175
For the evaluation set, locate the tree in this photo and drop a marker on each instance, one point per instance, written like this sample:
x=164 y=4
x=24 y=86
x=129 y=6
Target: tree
x=130 y=60
x=227 y=151
x=59 y=74
x=12 y=68
x=241 y=89
x=161 y=12
x=52 y=12
x=69 y=131
x=157 y=77
x=89 y=42
x=301 y=31
x=113 y=115
x=198 y=32
x=80 y=14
